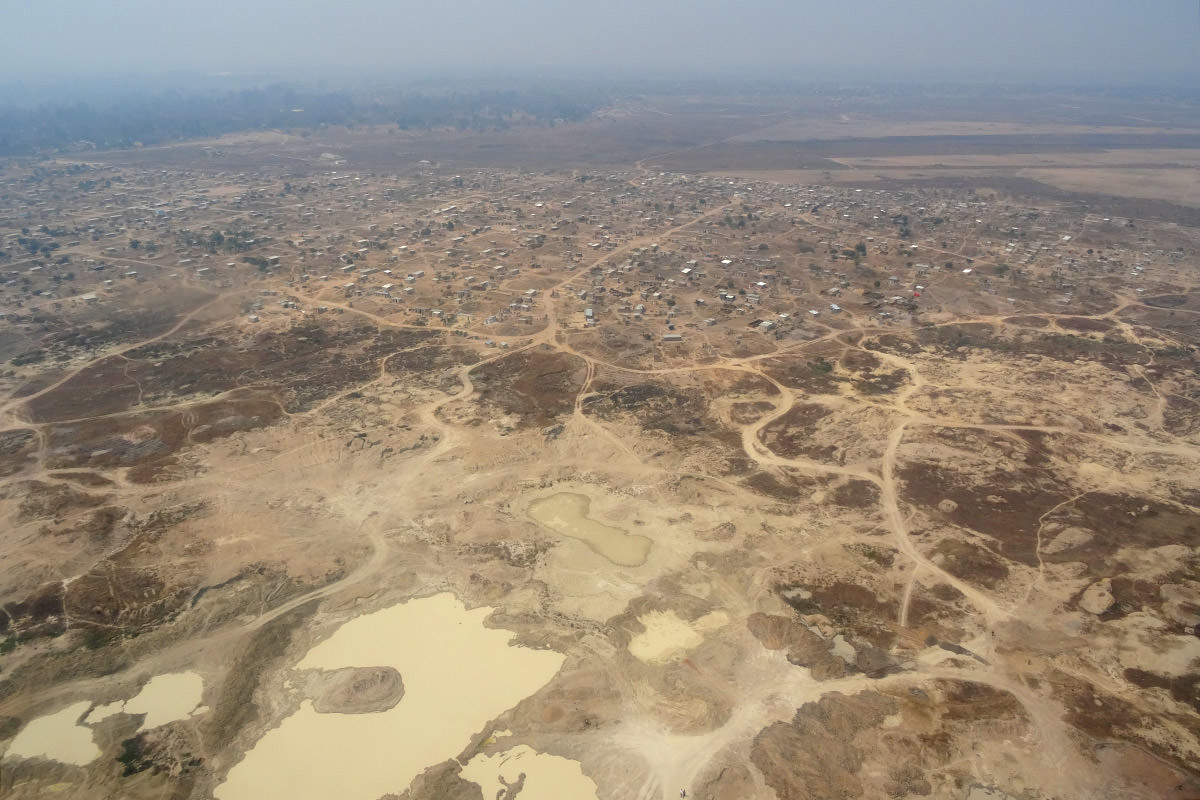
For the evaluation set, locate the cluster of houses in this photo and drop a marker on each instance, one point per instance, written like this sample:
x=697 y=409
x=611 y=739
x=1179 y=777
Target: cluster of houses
x=666 y=251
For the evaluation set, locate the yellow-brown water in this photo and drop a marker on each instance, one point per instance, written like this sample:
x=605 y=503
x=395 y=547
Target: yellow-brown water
x=567 y=513
x=457 y=675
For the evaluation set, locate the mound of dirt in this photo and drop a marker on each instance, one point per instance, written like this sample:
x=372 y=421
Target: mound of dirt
x=357 y=690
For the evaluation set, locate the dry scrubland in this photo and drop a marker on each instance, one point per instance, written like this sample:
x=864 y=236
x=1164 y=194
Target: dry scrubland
x=886 y=485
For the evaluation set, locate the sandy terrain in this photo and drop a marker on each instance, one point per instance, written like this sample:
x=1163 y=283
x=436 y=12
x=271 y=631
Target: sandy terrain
x=892 y=493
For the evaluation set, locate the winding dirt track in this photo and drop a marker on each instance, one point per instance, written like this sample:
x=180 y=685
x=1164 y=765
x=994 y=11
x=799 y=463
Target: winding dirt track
x=553 y=335
x=679 y=761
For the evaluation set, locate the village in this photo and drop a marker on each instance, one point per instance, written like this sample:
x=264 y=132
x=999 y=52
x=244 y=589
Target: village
x=699 y=265
x=739 y=464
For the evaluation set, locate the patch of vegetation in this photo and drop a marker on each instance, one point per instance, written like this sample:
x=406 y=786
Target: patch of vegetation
x=135 y=756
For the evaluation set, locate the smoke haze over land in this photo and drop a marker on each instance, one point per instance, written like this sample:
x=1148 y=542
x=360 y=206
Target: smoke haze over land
x=1092 y=41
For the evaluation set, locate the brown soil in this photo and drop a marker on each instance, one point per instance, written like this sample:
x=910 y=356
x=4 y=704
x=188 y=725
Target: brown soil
x=804 y=648
x=18 y=449
x=814 y=755
x=358 y=690
x=153 y=436
x=536 y=387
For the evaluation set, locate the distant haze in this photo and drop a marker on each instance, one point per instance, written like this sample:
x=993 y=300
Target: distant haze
x=1043 y=41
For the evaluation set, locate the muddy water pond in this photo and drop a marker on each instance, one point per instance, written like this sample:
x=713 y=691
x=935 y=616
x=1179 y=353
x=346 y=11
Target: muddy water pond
x=457 y=673
x=166 y=698
x=57 y=736
x=547 y=777
x=65 y=735
x=566 y=513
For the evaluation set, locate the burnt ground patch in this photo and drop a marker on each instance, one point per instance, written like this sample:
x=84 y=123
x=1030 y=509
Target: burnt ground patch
x=873 y=556
x=43 y=500
x=862 y=362
x=115 y=326
x=817 y=374
x=1182 y=688
x=733 y=383
x=97 y=526
x=1189 y=300
x=18 y=450
x=89 y=479
x=836 y=747
x=102 y=388
x=302 y=365
x=937 y=612
x=1003 y=507
x=1181 y=415
x=1132 y=593
x=431 y=366
x=1112 y=351
x=855 y=494
x=882 y=382
x=140 y=439
x=1000 y=489
x=684 y=413
x=955 y=341
x=853 y=607
x=814 y=756
x=970 y=562
x=1027 y=322
x=1119 y=521
x=786 y=487
x=961 y=334
x=1086 y=324
x=655 y=406
x=40 y=613
x=124 y=597
x=634 y=346
x=1181 y=325
x=38 y=382
x=1180 y=363
x=1107 y=717
x=868 y=374
x=804 y=647
x=536 y=386
x=128 y=591
x=968 y=700
x=749 y=412
x=791 y=435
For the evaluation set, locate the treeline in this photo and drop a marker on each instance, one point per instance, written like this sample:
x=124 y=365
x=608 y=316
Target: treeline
x=488 y=110
x=177 y=116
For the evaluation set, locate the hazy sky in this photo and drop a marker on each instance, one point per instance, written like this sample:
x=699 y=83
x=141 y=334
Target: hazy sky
x=1094 y=40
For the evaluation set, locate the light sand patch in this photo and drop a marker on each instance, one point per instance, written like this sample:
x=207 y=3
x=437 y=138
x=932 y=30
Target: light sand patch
x=1107 y=159
x=1175 y=185
x=457 y=674
x=567 y=513
x=547 y=777
x=846 y=126
x=1147 y=646
x=666 y=636
x=57 y=736
x=1068 y=539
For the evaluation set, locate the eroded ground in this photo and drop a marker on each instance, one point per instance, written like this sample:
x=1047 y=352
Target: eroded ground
x=944 y=541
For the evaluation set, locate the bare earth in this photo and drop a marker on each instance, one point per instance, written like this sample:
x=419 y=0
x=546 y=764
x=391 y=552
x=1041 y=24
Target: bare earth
x=939 y=538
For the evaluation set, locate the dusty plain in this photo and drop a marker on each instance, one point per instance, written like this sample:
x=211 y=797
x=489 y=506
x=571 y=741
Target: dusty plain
x=750 y=448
